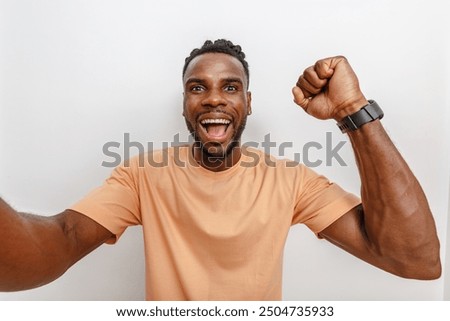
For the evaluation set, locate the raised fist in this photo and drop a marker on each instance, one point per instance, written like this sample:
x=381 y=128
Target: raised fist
x=329 y=89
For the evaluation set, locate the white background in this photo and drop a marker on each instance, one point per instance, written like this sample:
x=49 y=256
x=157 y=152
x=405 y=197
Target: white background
x=77 y=74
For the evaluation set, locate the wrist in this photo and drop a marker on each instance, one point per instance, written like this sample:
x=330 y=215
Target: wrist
x=350 y=108
x=364 y=115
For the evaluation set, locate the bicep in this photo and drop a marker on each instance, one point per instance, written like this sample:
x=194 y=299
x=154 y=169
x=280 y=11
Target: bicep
x=81 y=233
x=38 y=249
x=349 y=233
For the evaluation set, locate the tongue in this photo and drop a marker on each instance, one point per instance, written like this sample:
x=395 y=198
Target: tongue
x=216 y=130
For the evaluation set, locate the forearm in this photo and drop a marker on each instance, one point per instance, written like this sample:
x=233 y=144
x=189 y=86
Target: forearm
x=397 y=220
x=31 y=251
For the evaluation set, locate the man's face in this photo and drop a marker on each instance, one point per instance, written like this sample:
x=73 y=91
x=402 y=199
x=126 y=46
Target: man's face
x=216 y=102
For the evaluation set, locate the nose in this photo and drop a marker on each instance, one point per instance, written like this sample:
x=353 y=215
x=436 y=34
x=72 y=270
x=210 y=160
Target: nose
x=214 y=98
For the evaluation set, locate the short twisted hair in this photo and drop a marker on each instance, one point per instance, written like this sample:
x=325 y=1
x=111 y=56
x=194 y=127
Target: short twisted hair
x=219 y=46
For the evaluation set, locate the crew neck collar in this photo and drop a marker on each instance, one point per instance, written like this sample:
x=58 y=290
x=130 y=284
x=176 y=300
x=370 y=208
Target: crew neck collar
x=198 y=167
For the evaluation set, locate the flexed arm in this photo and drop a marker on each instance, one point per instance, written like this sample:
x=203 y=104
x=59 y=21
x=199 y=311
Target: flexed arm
x=35 y=250
x=393 y=228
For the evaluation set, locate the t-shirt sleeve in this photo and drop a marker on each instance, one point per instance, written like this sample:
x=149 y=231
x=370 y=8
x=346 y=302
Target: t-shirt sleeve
x=115 y=204
x=320 y=202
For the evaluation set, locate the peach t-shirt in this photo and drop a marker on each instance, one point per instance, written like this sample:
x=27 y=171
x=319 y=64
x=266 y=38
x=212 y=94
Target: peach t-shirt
x=214 y=235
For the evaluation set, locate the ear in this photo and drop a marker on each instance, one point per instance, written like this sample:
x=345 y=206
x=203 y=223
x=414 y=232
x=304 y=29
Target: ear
x=249 y=103
x=184 y=98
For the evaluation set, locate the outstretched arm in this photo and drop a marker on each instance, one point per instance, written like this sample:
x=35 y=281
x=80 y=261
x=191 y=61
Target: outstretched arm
x=36 y=250
x=393 y=229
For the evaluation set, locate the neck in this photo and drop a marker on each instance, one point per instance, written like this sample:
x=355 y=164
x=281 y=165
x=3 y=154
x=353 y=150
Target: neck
x=217 y=163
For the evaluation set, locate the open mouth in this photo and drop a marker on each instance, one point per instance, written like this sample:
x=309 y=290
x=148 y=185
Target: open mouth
x=215 y=128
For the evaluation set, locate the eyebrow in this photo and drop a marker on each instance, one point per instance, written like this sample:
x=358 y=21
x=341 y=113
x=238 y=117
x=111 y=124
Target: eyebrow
x=226 y=80
x=231 y=79
x=194 y=80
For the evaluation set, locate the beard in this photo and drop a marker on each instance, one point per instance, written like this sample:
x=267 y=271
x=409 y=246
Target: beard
x=215 y=150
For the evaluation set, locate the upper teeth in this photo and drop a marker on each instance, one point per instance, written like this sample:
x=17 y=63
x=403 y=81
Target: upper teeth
x=215 y=121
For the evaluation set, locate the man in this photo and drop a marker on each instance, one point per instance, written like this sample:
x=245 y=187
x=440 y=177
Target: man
x=216 y=215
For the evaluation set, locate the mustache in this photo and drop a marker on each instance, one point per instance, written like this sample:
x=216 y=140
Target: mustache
x=215 y=111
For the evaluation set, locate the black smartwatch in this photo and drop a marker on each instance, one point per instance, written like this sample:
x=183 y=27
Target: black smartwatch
x=363 y=116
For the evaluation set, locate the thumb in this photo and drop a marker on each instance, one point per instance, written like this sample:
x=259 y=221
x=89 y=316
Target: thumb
x=325 y=67
x=299 y=98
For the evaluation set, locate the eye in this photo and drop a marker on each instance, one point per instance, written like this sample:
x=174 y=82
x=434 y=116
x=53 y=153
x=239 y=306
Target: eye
x=197 y=88
x=230 y=88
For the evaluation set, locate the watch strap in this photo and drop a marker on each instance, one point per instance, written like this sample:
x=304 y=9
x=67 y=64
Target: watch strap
x=363 y=116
